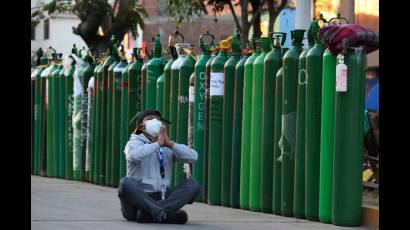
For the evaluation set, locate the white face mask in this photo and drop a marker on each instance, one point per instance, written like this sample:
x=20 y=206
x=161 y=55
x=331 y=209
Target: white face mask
x=153 y=127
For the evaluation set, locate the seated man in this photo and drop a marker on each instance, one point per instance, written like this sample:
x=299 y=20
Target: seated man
x=144 y=193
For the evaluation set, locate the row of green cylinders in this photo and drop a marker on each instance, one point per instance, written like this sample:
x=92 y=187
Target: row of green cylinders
x=271 y=133
x=264 y=133
x=270 y=141
x=82 y=115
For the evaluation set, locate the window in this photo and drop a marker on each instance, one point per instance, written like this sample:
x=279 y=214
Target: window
x=47 y=29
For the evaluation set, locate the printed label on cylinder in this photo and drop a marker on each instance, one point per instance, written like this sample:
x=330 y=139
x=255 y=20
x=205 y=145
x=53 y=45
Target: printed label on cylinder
x=341 y=77
x=217 y=84
x=191 y=93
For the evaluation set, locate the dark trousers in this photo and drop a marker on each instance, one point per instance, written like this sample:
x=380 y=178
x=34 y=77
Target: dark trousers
x=132 y=198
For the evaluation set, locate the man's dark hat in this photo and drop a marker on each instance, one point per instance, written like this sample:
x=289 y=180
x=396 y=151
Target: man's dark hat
x=139 y=117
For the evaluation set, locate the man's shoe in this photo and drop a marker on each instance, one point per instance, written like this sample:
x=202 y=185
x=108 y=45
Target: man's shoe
x=143 y=217
x=176 y=217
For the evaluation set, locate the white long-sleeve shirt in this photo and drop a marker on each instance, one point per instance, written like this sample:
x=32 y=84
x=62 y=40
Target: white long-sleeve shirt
x=143 y=164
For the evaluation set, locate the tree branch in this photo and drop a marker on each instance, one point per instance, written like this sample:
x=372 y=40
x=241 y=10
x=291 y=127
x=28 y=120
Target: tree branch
x=245 y=22
x=257 y=13
x=234 y=15
x=273 y=13
x=282 y=5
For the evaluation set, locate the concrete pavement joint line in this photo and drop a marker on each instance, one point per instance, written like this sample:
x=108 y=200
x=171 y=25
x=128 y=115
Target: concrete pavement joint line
x=74 y=220
x=189 y=221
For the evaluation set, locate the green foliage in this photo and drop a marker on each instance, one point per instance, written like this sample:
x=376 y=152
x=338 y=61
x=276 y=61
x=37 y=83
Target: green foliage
x=218 y=5
x=57 y=6
x=131 y=16
x=184 y=10
x=135 y=14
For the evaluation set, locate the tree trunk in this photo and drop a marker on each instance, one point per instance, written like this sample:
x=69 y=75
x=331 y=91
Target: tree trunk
x=256 y=4
x=88 y=28
x=274 y=13
x=272 y=19
x=245 y=23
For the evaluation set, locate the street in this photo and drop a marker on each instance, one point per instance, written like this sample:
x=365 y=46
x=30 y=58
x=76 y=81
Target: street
x=63 y=204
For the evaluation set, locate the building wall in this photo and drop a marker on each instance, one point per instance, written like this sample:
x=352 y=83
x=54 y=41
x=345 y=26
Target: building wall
x=367 y=15
x=285 y=23
x=160 y=23
x=61 y=36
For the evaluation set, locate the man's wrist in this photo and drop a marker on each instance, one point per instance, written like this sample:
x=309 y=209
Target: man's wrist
x=170 y=144
x=159 y=143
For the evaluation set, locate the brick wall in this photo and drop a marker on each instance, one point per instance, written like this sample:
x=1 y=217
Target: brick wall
x=157 y=23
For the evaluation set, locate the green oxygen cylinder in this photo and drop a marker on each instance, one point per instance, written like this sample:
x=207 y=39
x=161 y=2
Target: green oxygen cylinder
x=314 y=60
x=167 y=87
x=167 y=76
x=256 y=124
x=237 y=131
x=38 y=113
x=58 y=162
x=176 y=65
x=77 y=115
x=143 y=86
x=271 y=65
x=277 y=164
x=41 y=96
x=199 y=111
x=287 y=142
x=348 y=153
x=69 y=69
x=155 y=68
x=110 y=110
x=246 y=128
x=117 y=149
x=134 y=90
x=62 y=119
x=173 y=127
x=131 y=103
x=206 y=124
x=44 y=120
x=106 y=96
x=87 y=74
x=327 y=136
x=50 y=120
x=216 y=93
x=90 y=150
x=32 y=102
x=299 y=187
x=56 y=120
x=35 y=113
x=124 y=119
x=186 y=69
x=84 y=77
x=97 y=122
x=160 y=94
x=327 y=133
x=228 y=106
x=191 y=101
x=144 y=73
x=89 y=166
x=94 y=123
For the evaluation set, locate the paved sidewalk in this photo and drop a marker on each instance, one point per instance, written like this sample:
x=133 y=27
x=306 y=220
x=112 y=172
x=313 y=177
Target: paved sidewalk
x=62 y=204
